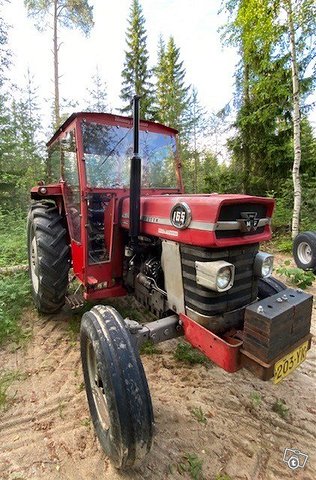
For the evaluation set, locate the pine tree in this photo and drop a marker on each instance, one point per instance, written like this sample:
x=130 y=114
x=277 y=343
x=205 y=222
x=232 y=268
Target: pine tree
x=136 y=74
x=26 y=166
x=60 y=13
x=97 y=94
x=197 y=126
x=172 y=95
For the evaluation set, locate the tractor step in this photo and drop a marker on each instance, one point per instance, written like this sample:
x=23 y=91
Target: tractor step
x=75 y=301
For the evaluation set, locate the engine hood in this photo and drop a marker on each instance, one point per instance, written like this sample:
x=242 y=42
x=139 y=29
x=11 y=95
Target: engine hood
x=206 y=220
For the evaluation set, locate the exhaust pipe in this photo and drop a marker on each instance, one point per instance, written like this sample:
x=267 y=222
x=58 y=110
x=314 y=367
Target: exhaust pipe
x=135 y=180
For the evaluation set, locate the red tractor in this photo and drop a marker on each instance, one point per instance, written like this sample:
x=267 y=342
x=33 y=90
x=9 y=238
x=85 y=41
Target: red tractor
x=125 y=226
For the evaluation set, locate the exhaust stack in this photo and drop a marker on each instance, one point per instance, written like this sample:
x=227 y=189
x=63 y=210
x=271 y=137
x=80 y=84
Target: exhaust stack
x=135 y=179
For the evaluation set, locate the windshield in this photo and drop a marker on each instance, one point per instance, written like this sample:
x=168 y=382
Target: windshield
x=108 y=150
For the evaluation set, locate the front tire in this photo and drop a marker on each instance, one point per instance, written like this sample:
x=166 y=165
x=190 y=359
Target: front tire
x=48 y=255
x=304 y=250
x=269 y=286
x=116 y=387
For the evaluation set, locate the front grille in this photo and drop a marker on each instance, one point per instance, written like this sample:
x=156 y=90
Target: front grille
x=232 y=213
x=207 y=302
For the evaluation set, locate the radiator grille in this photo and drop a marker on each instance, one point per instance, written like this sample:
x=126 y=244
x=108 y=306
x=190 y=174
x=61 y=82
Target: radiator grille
x=231 y=213
x=207 y=302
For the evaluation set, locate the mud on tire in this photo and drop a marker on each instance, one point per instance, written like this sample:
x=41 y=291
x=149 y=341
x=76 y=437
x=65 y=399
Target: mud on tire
x=116 y=387
x=49 y=257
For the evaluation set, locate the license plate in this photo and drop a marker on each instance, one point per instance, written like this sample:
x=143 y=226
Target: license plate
x=290 y=362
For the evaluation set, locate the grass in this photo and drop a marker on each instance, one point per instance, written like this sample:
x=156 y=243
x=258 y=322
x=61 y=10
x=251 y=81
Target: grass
x=187 y=354
x=198 y=414
x=14 y=296
x=280 y=408
x=149 y=348
x=13 y=239
x=192 y=465
x=256 y=399
x=222 y=476
x=14 y=289
x=6 y=379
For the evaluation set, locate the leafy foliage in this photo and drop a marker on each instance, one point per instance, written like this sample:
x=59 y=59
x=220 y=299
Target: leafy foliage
x=192 y=465
x=198 y=413
x=297 y=276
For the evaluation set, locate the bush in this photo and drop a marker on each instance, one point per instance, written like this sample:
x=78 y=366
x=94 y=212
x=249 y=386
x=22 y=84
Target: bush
x=13 y=239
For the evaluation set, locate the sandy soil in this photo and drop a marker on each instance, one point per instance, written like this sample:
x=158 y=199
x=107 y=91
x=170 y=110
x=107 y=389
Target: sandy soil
x=46 y=433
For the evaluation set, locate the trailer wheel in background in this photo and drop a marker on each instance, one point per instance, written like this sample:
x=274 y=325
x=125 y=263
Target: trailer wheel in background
x=269 y=286
x=116 y=387
x=304 y=250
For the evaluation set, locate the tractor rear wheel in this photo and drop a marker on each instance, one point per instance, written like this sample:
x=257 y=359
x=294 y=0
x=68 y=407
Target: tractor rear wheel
x=269 y=286
x=116 y=387
x=49 y=257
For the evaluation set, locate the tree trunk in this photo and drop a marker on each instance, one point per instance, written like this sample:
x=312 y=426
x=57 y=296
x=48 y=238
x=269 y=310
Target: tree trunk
x=246 y=136
x=56 y=74
x=296 y=125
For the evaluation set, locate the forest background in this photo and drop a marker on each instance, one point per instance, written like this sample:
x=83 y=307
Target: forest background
x=247 y=146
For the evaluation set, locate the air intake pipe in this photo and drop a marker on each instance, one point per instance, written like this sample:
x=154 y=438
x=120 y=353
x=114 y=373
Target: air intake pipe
x=135 y=180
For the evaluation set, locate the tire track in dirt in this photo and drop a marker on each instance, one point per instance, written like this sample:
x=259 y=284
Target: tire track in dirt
x=46 y=431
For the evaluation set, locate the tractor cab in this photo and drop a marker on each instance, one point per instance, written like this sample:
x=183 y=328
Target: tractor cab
x=89 y=176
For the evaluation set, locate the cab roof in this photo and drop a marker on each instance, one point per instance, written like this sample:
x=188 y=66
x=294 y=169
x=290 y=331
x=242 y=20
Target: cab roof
x=109 y=119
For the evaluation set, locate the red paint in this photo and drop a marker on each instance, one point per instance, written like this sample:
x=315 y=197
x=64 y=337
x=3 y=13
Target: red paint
x=204 y=208
x=225 y=353
x=154 y=203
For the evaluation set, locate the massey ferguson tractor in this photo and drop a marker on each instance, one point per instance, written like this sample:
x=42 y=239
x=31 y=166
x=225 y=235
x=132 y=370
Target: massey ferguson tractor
x=115 y=212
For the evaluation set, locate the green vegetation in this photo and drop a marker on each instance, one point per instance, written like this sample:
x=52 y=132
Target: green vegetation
x=13 y=239
x=136 y=74
x=6 y=379
x=280 y=408
x=222 y=476
x=14 y=289
x=198 y=413
x=296 y=276
x=187 y=354
x=149 y=348
x=256 y=399
x=192 y=465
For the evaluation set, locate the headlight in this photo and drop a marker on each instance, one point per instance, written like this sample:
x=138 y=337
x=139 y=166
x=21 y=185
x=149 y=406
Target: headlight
x=217 y=276
x=223 y=278
x=263 y=264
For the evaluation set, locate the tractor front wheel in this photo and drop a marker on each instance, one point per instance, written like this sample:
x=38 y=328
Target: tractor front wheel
x=269 y=286
x=116 y=387
x=49 y=258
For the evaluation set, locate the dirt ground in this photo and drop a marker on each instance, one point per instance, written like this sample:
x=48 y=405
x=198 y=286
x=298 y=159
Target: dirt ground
x=46 y=433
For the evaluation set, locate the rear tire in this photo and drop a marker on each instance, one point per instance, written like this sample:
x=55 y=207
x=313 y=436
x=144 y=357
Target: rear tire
x=269 y=286
x=49 y=258
x=304 y=250
x=116 y=387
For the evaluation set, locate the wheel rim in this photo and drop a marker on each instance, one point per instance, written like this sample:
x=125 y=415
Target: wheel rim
x=97 y=388
x=34 y=264
x=304 y=253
